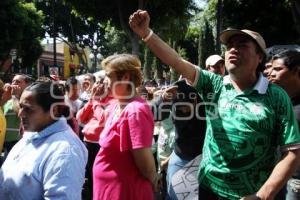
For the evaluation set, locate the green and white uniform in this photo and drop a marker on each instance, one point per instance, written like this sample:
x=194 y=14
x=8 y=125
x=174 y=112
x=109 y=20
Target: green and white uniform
x=243 y=133
x=13 y=122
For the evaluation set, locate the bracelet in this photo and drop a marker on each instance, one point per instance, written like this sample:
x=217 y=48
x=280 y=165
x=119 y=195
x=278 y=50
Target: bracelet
x=145 y=39
x=257 y=197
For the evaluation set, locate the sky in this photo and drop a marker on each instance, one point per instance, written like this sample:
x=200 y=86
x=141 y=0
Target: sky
x=200 y=3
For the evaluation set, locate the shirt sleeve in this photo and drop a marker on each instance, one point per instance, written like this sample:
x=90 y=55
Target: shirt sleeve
x=207 y=82
x=85 y=113
x=138 y=131
x=64 y=176
x=287 y=124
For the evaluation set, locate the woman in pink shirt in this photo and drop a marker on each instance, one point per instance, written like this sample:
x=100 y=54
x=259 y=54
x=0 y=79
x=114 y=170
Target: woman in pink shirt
x=124 y=168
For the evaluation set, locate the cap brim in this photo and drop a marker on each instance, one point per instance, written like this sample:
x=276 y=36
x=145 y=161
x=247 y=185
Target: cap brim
x=227 y=34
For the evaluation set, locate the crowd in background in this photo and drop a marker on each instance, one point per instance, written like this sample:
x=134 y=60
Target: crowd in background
x=114 y=136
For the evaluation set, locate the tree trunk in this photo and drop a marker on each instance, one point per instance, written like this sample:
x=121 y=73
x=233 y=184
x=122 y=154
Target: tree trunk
x=134 y=40
x=159 y=75
x=173 y=76
x=219 y=25
x=147 y=65
x=206 y=44
x=296 y=14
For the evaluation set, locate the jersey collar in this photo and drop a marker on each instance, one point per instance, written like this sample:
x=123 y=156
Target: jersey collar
x=261 y=85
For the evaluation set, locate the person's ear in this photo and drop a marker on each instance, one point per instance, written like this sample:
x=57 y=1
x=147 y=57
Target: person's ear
x=261 y=57
x=298 y=71
x=295 y=71
x=56 y=110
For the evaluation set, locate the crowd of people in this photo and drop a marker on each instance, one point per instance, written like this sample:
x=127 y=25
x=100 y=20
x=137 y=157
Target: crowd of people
x=111 y=136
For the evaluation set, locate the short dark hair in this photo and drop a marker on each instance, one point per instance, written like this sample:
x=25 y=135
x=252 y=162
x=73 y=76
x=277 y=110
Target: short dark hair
x=27 y=78
x=291 y=58
x=261 y=65
x=46 y=94
x=71 y=81
x=92 y=77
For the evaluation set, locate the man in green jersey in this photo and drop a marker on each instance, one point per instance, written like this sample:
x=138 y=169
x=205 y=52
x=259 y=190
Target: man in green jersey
x=10 y=105
x=248 y=118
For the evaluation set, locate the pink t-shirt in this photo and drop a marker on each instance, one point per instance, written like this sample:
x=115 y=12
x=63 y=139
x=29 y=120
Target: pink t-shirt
x=115 y=174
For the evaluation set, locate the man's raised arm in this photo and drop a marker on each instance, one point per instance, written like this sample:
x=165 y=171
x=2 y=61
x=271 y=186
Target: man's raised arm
x=139 y=23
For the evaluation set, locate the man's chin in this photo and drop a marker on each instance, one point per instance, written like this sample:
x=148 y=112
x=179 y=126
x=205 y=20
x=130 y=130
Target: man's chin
x=232 y=69
x=277 y=83
x=231 y=66
x=27 y=128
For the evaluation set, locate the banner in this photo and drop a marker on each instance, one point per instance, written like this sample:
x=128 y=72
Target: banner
x=185 y=182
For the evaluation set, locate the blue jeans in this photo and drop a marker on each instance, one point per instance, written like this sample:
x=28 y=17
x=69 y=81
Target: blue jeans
x=293 y=187
x=175 y=164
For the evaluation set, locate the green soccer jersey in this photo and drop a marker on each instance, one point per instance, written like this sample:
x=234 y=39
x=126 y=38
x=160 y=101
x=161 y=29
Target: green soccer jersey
x=13 y=122
x=243 y=133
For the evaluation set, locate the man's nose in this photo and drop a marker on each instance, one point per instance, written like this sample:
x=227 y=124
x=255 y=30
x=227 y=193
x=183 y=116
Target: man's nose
x=20 y=112
x=272 y=72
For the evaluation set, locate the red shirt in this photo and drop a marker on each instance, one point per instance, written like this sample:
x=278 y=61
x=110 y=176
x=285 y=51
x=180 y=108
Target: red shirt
x=92 y=116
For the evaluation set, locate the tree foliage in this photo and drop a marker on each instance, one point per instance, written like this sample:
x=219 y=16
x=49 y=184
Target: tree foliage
x=169 y=18
x=206 y=43
x=65 y=25
x=295 y=5
x=20 y=29
x=272 y=18
x=276 y=20
x=190 y=44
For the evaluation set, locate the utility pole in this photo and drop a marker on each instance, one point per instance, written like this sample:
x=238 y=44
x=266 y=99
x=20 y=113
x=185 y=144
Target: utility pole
x=54 y=34
x=219 y=25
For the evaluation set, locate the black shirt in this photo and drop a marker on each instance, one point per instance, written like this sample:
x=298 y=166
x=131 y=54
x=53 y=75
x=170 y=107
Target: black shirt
x=188 y=114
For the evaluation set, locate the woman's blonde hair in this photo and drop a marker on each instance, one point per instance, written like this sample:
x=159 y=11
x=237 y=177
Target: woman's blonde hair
x=124 y=63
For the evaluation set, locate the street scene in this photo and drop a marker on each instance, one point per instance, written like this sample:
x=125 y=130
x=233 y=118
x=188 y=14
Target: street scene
x=150 y=100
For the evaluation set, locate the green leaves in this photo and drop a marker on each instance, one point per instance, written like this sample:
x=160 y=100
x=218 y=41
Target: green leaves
x=21 y=27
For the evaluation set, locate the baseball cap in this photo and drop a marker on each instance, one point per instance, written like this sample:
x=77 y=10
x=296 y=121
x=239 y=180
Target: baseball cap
x=228 y=33
x=212 y=60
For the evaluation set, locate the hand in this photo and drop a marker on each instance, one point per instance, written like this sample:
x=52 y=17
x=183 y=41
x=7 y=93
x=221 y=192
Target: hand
x=164 y=164
x=139 y=23
x=98 y=90
x=86 y=86
x=7 y=90
x=151 y=90
x=157 y=93
x=169 y=93
x=156 y=183
x=89 y=86
x=16 y=90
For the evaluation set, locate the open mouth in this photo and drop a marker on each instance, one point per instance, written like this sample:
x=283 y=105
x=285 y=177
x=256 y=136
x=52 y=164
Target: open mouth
x=232 y=58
